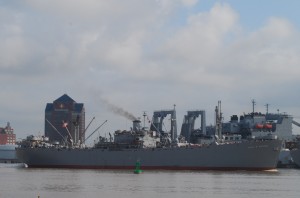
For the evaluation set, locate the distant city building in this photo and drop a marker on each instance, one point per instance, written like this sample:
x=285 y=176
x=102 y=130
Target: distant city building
x=7 y=135
x=64 y=118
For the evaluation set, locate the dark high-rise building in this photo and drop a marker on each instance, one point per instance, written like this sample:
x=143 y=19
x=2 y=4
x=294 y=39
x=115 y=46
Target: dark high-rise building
x=65 y=120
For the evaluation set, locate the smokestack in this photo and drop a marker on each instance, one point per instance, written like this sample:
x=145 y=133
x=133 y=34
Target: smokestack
x=136 y=125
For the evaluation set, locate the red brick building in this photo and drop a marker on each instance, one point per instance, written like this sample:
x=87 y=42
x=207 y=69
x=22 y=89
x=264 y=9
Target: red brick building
x=7 y=135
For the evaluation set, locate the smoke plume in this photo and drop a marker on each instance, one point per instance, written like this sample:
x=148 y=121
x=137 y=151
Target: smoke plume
x=112 y=107
x=118 y=110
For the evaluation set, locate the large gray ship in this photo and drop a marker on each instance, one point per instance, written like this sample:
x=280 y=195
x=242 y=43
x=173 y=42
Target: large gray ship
x=248 y=155
x=156 y=149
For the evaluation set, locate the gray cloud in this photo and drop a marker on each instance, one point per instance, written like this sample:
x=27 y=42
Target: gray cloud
x=140 y=59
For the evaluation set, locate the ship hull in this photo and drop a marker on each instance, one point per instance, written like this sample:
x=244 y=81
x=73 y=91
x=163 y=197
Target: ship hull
x=249 y=155
x=296 y=156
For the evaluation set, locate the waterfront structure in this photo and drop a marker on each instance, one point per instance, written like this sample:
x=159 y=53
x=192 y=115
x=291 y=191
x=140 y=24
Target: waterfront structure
x=7 y=135
x=7 y=144
x=65 y=120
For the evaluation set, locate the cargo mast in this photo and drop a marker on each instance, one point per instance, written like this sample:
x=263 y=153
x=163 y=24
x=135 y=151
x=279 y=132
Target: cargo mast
x=218 y=131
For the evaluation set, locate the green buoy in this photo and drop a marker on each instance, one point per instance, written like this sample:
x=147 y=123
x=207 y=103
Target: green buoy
x=137 y=169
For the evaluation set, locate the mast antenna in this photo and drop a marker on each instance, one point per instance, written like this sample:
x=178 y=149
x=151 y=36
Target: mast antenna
x=144 y=115
x=267 y=107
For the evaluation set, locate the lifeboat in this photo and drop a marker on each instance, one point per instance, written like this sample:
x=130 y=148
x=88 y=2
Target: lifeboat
x=268 y=126
x=259 y=126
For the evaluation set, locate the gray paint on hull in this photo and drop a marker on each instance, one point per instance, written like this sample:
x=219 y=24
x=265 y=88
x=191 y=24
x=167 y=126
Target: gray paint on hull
x=246 y=155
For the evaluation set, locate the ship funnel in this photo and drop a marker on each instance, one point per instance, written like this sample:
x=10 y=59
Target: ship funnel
x=136 y=125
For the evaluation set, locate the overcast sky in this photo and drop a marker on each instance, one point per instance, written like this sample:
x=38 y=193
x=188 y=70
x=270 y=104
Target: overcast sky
x=147 y=55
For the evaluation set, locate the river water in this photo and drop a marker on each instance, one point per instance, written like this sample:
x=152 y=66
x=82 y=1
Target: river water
x=17 y=181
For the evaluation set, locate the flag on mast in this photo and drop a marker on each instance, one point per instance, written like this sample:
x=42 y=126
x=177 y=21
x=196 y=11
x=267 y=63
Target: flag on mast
x=65 y=124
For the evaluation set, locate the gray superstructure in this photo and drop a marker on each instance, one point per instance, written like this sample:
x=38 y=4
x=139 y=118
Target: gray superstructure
x=254 y=124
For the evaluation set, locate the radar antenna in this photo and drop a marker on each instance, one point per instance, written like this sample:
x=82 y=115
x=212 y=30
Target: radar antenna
x=144 y=115
x=253 y=104
x=267 y=107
